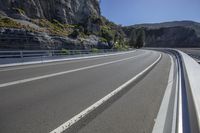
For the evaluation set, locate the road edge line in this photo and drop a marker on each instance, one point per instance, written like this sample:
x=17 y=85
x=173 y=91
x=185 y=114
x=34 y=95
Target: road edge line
x=160 y=121
x=93 y=107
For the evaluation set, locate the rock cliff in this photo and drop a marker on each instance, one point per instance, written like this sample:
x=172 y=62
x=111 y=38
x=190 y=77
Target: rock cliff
x=51 y=24
x=168 y=34
x=65 y=11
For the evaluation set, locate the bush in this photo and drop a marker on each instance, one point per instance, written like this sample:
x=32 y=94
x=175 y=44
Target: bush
x=95 y=50
x=103 y=40
x=140 y=38
x=65 y=52
x=121 y=47
x=19 y=10
x=9 y=23
x=107 y=33
x=54 y=27
x=75 y=34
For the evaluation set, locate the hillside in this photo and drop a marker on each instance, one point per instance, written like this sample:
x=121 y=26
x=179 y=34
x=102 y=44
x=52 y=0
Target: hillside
x=188 y=24
x=168 y=34
x=56 y=24
x=64 y=11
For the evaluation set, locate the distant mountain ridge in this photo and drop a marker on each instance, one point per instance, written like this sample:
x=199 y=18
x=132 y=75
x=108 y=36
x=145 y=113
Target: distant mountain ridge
x=188 y=24
x=168 y=34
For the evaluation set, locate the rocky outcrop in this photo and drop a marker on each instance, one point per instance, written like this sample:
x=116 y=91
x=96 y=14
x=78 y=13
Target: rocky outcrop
x=168 y=34
x=15 y=39
x=171 y=37
x=65 y=11
x=53 y=15
x=187 y=24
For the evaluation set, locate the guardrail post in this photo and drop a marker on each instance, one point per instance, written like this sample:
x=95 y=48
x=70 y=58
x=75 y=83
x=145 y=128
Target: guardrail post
x=21 y=54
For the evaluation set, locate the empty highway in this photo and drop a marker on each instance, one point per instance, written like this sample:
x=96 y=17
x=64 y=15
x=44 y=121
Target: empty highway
x=40 y=98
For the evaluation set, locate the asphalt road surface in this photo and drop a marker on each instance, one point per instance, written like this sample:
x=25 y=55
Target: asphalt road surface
x=39 y=98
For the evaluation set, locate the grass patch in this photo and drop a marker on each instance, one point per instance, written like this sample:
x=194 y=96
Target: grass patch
x=55 y=27
x=103 y=40
x=9 y=23
x=95 y=50
x=19 y=10
x=65 y=52
x=121 y=47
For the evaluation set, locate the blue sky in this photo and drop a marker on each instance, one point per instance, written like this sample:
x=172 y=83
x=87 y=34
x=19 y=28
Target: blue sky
x=129 y=12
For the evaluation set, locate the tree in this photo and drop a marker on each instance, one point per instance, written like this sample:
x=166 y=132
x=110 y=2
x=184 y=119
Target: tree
x=133 y=38
x=140 y=41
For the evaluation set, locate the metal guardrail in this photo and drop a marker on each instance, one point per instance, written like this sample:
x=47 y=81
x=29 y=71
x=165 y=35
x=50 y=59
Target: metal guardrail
x=12 y=58
x=50 y=53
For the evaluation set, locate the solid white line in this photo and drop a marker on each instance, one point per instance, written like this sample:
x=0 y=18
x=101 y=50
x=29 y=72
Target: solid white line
x=85 y=112
x=62 y=73
x=162 y=114
x=60 y=60
x=180 y=111
x=174 y=121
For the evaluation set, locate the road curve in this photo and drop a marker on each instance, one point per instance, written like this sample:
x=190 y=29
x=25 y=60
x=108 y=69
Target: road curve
x=67 y=88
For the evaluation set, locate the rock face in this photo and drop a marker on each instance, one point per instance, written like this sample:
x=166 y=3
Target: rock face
x=75 y=12
x=172 y=37
x=19 y=39
x=187 y=24
x=169 y=34
x=65 y=11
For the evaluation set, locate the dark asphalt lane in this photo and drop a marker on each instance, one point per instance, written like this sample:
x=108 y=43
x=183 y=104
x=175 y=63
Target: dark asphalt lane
x=135 y=111
x=42 y=105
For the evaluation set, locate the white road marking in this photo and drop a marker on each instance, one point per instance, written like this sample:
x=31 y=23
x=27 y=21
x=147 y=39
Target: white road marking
x=85 y=112
x=59 y=61
x=162 y=114
x=180 y=105
x=62 y=73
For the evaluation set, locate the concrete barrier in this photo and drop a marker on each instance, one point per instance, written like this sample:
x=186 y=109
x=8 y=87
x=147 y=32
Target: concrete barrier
x=192 y=78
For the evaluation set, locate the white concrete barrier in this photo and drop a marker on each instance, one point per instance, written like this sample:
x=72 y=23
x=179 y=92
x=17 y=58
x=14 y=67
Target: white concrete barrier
x=192 y=76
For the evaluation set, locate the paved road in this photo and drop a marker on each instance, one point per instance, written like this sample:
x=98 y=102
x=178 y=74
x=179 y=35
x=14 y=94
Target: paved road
x=55 y=92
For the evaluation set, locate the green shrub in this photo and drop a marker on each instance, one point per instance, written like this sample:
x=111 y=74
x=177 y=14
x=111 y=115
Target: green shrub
x=107 y=33
x=65 y=52
x=19 y=10
x=103 y=40
x=75 y=33
x=54 y=27
x=9 y=23
x=95 y=50
x=121 y=47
